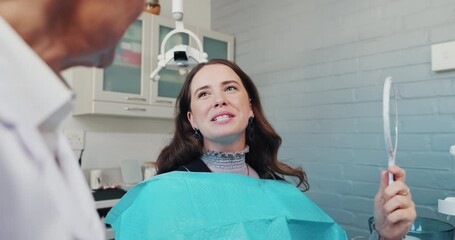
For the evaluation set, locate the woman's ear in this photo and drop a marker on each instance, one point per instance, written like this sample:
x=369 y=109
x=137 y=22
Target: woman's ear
x=189 y=115
x=251 y=110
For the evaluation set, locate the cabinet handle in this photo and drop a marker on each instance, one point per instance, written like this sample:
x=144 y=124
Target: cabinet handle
x=135 y=109
x=135 y=99
x=163 y=101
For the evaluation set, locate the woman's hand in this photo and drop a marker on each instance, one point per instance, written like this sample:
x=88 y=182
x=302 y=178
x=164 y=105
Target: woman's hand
x=394 y=210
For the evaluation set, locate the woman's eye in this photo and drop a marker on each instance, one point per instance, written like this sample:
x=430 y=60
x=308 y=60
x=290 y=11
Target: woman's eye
x=202 y=94
x=230 y=88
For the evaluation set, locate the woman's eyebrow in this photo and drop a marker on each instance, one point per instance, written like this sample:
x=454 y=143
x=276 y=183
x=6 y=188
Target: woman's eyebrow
x=229 y=82
x=201 y=88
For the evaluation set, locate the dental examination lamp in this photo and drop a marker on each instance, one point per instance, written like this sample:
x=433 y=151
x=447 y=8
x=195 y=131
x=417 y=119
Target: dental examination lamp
x=180 y=57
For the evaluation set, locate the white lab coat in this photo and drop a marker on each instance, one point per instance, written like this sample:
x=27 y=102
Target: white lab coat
x=43 y=194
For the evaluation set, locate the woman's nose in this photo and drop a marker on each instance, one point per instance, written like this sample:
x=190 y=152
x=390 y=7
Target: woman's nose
x=220 y=100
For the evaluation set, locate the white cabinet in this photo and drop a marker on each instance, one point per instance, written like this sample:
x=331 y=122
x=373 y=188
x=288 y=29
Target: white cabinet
x=126 y=80
x=217 y=45
x=125 y=88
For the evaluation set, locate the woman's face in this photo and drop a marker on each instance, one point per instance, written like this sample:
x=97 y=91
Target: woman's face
x=220 y=108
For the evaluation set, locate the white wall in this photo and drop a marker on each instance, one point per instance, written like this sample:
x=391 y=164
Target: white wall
x=320 y=66
x=112 y=139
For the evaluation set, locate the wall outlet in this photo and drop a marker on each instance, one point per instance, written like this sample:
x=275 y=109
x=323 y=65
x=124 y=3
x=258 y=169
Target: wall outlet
x=76 y=138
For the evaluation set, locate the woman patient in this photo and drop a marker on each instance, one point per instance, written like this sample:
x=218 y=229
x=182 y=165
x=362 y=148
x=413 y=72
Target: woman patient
x=221 y=128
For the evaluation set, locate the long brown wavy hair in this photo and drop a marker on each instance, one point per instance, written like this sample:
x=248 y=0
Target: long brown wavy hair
x=262 y=157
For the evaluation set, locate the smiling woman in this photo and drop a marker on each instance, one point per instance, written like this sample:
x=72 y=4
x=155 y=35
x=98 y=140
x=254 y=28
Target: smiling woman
x=225 y=152
x=219 y=111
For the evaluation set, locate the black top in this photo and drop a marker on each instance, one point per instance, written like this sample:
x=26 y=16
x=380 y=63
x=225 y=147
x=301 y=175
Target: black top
x=199 y=166
x=194 y=166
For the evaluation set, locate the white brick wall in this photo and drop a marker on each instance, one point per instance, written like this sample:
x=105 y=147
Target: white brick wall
x=320 y=66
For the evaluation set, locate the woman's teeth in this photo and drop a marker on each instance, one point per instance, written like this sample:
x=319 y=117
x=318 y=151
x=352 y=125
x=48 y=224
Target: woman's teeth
x=222 y=117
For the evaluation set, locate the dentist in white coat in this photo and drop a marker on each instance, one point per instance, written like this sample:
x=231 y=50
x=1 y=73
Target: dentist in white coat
x=43 y=194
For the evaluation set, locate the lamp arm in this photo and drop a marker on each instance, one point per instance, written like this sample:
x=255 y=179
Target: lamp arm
x=177 y=10
x=154 y=75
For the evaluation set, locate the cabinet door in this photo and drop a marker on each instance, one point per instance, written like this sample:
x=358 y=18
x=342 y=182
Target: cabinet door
x=217 y=45
x=165 y=91
x=127 y=79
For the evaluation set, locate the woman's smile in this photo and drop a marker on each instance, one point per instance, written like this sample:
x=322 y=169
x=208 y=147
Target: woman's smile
x=222 y=118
